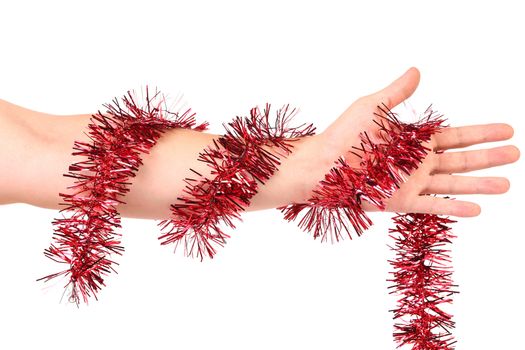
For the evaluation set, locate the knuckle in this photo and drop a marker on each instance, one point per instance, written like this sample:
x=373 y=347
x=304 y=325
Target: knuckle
x=464 y=162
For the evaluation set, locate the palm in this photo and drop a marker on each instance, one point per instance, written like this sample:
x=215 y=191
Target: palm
x=437 y=173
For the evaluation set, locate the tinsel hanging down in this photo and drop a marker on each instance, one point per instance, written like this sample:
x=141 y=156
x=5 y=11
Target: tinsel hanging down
x=422 y=278
x=85 y=238
x=247 y=155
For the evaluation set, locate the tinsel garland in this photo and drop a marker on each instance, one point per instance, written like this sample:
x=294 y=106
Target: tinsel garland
x=242 y=159
x=85 y=238
x=247 y=155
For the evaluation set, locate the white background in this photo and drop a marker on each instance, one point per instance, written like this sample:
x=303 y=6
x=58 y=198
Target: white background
x=272 y=286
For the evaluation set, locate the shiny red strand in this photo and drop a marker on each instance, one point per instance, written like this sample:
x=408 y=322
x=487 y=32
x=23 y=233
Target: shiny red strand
x=335 y=206
x=246 y=155
x=85 y=239
x=422 y=279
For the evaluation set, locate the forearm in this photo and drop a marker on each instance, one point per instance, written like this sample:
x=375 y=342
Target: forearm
x=159 y=180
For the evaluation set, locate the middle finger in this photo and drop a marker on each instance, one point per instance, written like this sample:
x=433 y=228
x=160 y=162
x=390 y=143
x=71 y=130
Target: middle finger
x=465 y=161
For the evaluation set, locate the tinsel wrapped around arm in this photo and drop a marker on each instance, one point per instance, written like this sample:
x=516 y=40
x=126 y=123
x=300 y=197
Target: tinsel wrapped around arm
x=241 y=160
x=385 y=162
x=131 y=160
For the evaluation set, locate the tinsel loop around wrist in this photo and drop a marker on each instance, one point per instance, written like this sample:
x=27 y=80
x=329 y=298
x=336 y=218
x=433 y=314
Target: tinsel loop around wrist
x=336 y=204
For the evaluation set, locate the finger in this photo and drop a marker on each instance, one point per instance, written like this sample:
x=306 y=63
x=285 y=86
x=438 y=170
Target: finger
x=443 y=206
x=400 y=89
x=465 y=136
x=456 y=184
x=461 y=162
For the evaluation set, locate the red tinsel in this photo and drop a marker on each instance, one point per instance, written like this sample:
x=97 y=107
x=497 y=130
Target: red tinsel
x=85 y=239
x=246 y=155
x=422 y=278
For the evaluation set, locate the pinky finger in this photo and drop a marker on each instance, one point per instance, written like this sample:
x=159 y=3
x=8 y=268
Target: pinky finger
x=444 y=206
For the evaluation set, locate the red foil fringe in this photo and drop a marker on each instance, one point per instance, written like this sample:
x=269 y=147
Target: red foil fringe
x=85 y=239
x=244 y=157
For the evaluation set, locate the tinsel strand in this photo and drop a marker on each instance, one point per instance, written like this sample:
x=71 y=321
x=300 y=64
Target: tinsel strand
x=85 y=239
x=422 y=279
x=247 y=155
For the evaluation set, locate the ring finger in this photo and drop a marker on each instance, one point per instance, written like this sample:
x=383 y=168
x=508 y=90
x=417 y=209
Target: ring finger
x=457 y=184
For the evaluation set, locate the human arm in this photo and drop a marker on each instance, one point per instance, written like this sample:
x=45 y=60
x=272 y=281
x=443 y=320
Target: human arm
x=36 y=151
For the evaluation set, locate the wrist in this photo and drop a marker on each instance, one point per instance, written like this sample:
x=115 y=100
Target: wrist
x=20 y=147
x=49 y=154
x=296 y=177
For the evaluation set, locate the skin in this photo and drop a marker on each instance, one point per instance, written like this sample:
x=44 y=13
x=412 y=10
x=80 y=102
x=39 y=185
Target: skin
x=35 y=152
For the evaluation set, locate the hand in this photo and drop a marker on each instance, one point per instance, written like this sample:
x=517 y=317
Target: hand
x=437 y=173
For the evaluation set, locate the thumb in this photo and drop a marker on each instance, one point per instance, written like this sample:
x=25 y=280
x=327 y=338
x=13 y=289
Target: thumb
x=400 y=89
x=344 y=132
